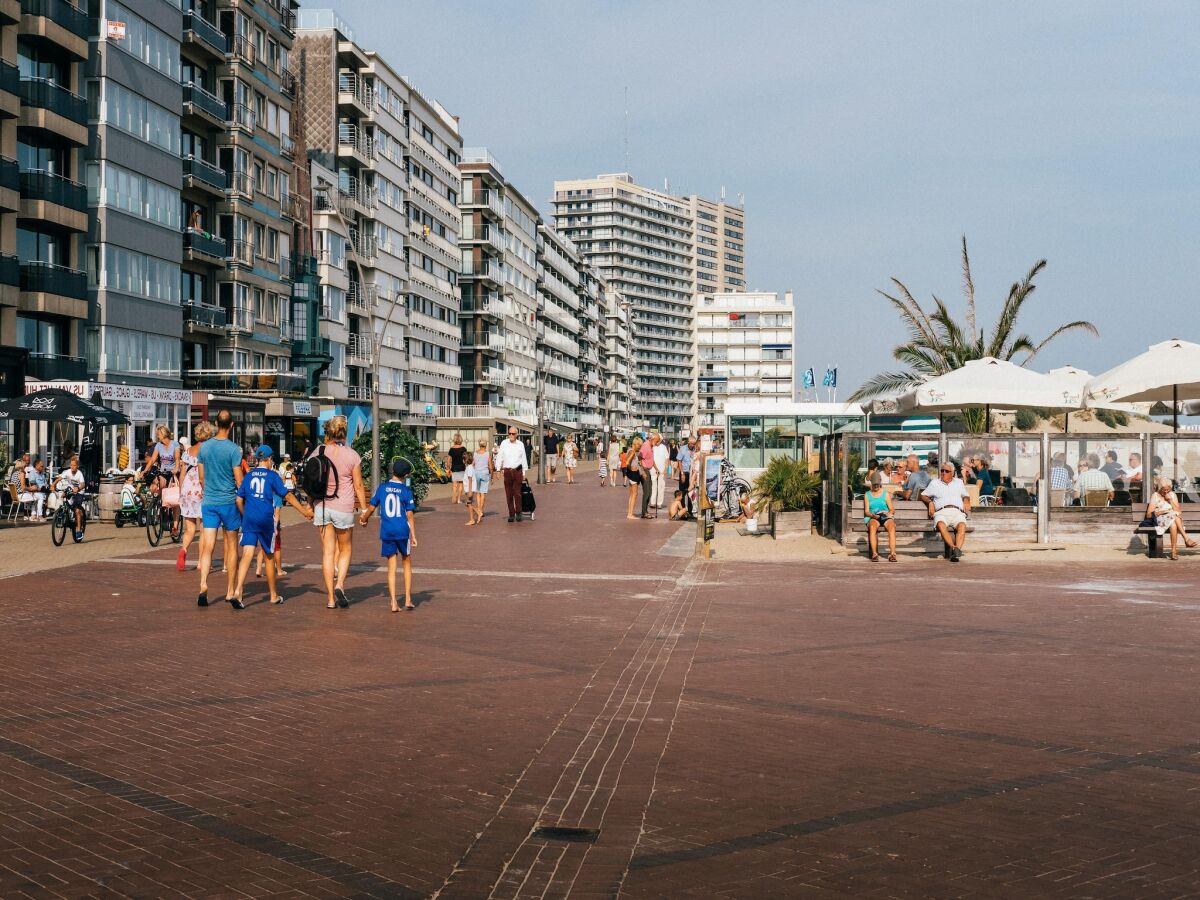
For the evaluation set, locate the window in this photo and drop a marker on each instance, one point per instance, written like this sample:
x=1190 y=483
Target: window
x=137 y=351
x=134 y=273
x=122 y=189
x=145 y=42
x=132 y=113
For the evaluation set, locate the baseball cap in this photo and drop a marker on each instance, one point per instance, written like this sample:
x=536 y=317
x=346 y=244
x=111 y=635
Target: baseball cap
x=401 y=467
x=264 y=451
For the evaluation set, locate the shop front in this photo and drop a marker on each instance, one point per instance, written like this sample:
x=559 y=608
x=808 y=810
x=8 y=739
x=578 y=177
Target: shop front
x=249 y=415
x=146 y=407
x=291 y=427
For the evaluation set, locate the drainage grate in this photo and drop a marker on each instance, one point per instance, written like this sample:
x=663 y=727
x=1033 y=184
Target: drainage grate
x=566 y=833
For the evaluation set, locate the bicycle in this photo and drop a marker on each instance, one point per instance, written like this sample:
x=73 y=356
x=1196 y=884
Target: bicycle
x=729 y=503
x=159 y=518
x=64 y=519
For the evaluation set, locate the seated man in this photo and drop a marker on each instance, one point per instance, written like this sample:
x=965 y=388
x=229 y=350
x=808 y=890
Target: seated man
x=1092 y=478
x=916 y=479
x=678 y=510
x=949 y=504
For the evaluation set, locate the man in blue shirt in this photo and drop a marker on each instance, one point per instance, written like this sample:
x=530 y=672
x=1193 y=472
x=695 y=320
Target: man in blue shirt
x=256 y=503
x=220 y=473
x=686 y=451
x=397 y=530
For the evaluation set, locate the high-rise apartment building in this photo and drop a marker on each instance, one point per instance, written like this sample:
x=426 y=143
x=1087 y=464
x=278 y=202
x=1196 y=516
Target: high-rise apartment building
x=744 y=351
x=385 y=218
x=718 y=245
x=616 y=400
x=646 y=245
x=43 y=201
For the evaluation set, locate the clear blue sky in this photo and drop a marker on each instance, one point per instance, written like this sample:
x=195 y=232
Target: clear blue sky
x=867 y=137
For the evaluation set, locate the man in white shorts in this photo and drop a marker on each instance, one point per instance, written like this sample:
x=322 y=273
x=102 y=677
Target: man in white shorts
x=949 y=504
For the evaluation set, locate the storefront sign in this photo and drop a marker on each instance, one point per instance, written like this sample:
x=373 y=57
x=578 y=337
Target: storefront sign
x=302 y=408
x=114 y=391
x=141 y=410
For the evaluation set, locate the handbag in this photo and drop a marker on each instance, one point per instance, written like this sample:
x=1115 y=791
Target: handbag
x=170 y=495
x=1150 y=521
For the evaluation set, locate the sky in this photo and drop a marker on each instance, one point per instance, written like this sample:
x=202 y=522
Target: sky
x=867 y=138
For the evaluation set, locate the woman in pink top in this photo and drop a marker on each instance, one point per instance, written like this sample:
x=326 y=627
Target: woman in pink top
x=334 y=515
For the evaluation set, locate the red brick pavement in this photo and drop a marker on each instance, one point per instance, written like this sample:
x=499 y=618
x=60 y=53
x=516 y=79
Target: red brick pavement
x=713 y=729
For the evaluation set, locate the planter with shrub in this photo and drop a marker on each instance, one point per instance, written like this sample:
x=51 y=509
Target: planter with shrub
x=787 y=488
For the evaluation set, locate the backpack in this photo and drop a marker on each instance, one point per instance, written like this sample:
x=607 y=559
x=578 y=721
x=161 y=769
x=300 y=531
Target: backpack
x=315 y=476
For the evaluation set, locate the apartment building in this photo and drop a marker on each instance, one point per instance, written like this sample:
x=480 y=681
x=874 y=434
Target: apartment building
x=718 y=245
x=616 y=400
x=560 y=326
x=43 y=200
x=744 y=350
x=498 y=280
x=640 y=241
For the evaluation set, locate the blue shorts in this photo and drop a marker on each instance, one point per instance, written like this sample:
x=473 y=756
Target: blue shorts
x=263 y=536
x=226 y=517
x=391 y=548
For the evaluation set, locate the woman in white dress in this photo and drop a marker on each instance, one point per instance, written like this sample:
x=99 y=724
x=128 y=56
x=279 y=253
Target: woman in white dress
x=190 y=492
x=570 y=457
x=1164 y=507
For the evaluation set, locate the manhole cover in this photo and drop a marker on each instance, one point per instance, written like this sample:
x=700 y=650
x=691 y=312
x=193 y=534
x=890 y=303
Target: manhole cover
x=567 y=833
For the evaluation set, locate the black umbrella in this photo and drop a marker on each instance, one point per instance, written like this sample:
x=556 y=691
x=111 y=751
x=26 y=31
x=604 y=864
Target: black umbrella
x=57 y=405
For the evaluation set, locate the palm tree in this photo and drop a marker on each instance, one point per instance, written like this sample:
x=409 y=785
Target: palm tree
x=937 y=343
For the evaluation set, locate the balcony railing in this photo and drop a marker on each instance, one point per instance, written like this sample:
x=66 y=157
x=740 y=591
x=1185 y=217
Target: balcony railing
x=293 y=206
x=486 y=198
x=358 y=392
x=204 y=314
x=10 y=270
x=351 y=85
x=361 y=296
x=53 y=97
x=70 y=17
x=206 y=172
x=483 y=340
x=38 y=184
x=241 y=184
x=10 y=174
x=241 y=116
x=365 y=245
x=287 y=146
x=202 y=242
x=287 y=82
x=487 y=269
x=287 y=19
x=490 y=305
x=253 y=381
x=243 y=49
x=489 y=234
x=312 y=348
x=205 y=32
x=242 y=253
x=56 y=367
x=358 y=347
x=202 y=99
x=356 y=139
x=48 y=278
x=485 y=375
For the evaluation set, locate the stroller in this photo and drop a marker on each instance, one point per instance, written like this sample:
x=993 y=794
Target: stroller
x=528 y=504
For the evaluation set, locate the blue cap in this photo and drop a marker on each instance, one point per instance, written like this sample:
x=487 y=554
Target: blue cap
x=264 y=451
x=401 y=468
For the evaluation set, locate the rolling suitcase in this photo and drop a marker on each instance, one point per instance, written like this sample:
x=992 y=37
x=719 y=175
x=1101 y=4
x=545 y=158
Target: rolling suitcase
x=528 y=504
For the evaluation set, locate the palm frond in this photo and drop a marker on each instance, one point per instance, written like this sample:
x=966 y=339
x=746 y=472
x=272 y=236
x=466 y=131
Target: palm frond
x=886 y=384
x=1079 y=325
x=969 y=291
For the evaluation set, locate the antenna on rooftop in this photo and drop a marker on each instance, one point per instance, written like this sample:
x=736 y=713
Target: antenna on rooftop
x=626 y=128
x=722 y=193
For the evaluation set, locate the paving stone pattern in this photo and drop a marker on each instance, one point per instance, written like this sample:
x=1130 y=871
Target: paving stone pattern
x=577 y=710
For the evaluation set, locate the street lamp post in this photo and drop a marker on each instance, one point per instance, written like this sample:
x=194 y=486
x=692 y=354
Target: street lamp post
x=324 y=187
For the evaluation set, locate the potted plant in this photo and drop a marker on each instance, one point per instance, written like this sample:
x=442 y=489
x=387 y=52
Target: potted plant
x=787 y=488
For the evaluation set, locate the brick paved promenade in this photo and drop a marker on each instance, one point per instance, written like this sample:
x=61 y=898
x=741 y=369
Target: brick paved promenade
x=698 y=729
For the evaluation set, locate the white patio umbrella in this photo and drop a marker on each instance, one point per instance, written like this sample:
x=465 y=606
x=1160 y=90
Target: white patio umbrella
x=1167 y=372
x=1076 y=379
x=990 y=382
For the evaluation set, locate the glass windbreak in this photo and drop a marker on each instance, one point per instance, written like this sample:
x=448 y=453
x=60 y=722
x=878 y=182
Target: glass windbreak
x=1086 y=470
x=1006 y=470
x=1179 y=459
x=856 y=463
x=779 y=438
x=746 y=442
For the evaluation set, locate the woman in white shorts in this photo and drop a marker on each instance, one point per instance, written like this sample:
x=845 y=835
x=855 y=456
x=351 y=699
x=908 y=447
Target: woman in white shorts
x=481 y=468
x=334 y=516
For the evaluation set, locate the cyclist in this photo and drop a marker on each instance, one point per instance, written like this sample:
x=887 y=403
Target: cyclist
x=165 y=453
x=72 y=484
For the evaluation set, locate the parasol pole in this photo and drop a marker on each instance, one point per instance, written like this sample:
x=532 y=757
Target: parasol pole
x=1175 y=406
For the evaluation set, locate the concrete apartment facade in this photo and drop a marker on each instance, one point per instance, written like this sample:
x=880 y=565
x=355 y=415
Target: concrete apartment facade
x=616 y=399
x=744 y=350
x=646 y=245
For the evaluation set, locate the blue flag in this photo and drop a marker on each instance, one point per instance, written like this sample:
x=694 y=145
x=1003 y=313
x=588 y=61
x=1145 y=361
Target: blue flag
x=830 y=379
x=810 y=379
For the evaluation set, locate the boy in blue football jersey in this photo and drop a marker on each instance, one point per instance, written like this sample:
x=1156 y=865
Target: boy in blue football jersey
x=256 y=502
x=397 y=530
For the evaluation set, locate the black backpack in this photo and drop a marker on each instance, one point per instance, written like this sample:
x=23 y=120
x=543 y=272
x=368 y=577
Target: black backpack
x=315 y=476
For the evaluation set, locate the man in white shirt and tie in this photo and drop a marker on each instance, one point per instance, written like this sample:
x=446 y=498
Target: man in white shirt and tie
x=512 y=462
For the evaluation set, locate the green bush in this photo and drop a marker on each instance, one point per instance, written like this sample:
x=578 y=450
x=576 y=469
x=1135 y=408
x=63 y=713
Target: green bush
x=1027 y=419
x=395 y=441
x=1113 y=418
x=787 y=485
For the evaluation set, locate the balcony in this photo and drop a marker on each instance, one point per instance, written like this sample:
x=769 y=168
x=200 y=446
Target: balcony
x=10 y=82
x=204 y=244
x=360 y=298
x=287 y=19
x=287 y=146
x=47 y=278
x=312 y=351
x=71 y=18
x=55 y=367
x=240 y=185
x=241 y=116
x=254 y=381
x=10 y=174
x=203 y=33
x=359 y=392
x=242 y=50
x=492 y=235
x=53 y=188
x=288 y=82
x=358 y=349
x=483 y=340
x=10 y=270
x=354 y=93
x=485 y=199
x=204 y=104
x=353 y=140
x=366 y=246
x=492 y=305
x=42 y=93
x=241 y=253
x=488 y=268
x=293 y=207
x=201 y=315
x=204 y=174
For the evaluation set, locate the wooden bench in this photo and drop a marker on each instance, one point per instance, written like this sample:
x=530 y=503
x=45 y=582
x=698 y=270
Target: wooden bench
x=912 y=520
x=1154 y=542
